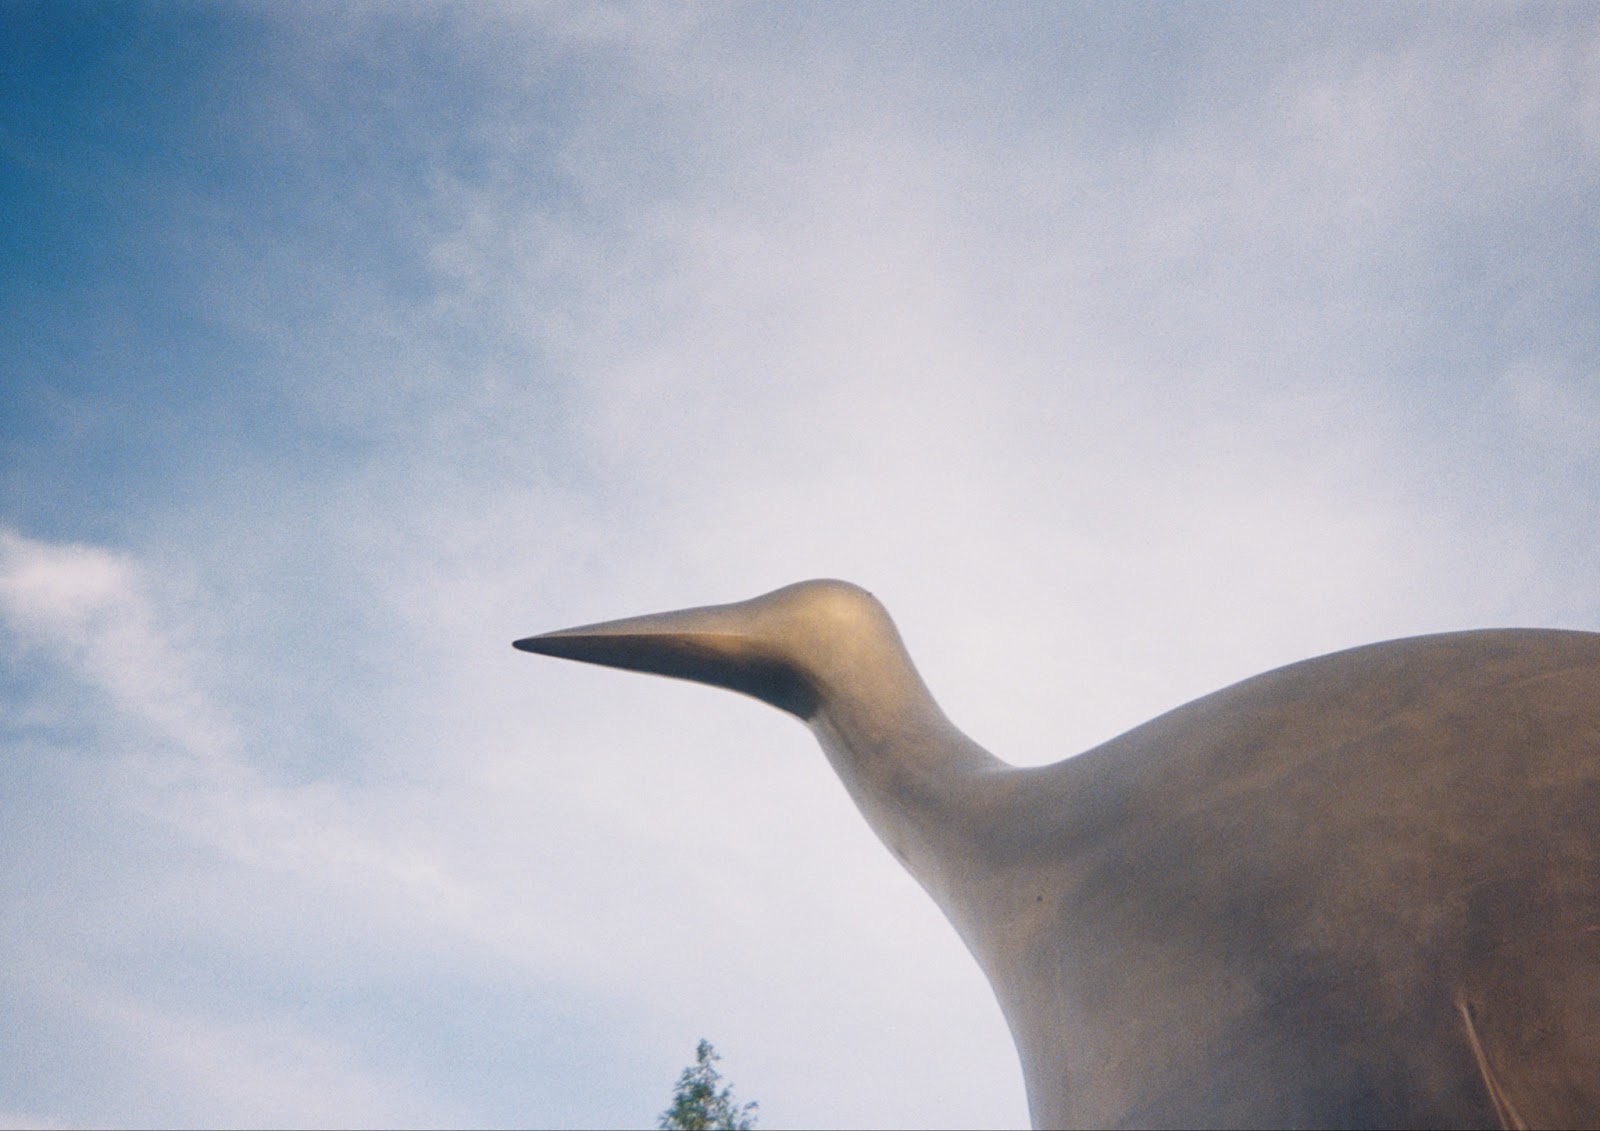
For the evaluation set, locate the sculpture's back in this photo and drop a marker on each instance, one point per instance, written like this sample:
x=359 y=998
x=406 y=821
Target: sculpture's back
x=1359 y=891
x=1363 y=890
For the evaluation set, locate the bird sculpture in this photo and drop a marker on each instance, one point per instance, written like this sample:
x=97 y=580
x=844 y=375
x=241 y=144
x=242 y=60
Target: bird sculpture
x=1362 y=890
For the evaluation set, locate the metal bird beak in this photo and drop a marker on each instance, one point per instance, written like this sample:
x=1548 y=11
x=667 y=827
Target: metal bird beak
x=720 y=645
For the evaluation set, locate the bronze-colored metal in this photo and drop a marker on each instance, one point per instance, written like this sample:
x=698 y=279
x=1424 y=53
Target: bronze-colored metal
x=1358 y=891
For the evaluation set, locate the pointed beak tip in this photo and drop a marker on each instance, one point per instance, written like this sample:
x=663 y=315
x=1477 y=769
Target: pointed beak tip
x=559 y=643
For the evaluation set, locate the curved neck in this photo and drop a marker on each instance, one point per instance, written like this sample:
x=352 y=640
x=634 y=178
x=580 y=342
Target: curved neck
x=920 y=782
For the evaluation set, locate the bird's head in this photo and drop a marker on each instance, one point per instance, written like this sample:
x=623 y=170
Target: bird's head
x=792 y=648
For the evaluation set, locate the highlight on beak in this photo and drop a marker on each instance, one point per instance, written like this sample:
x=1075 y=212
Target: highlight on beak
x=708 y=646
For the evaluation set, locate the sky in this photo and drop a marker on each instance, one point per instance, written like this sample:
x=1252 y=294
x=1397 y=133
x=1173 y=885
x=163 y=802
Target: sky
x=1124 y=351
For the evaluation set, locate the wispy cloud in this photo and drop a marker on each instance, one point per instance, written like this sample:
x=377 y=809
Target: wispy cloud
x=81 y=607
x=179 y=1065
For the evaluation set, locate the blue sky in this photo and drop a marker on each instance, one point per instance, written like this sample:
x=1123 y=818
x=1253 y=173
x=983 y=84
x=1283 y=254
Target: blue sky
x=1123 y=351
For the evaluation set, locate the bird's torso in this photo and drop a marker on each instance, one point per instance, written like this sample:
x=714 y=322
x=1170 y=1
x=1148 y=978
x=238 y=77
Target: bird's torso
x=1363 y=890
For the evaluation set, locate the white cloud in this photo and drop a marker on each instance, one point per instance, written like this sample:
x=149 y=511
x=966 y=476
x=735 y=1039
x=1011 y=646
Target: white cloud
x=82 y=605
x=263 y=1071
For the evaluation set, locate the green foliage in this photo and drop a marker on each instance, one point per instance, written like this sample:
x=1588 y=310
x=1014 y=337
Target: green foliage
x=698 y=1105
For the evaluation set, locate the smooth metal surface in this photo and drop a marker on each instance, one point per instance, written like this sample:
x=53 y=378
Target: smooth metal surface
x=1358 y=891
